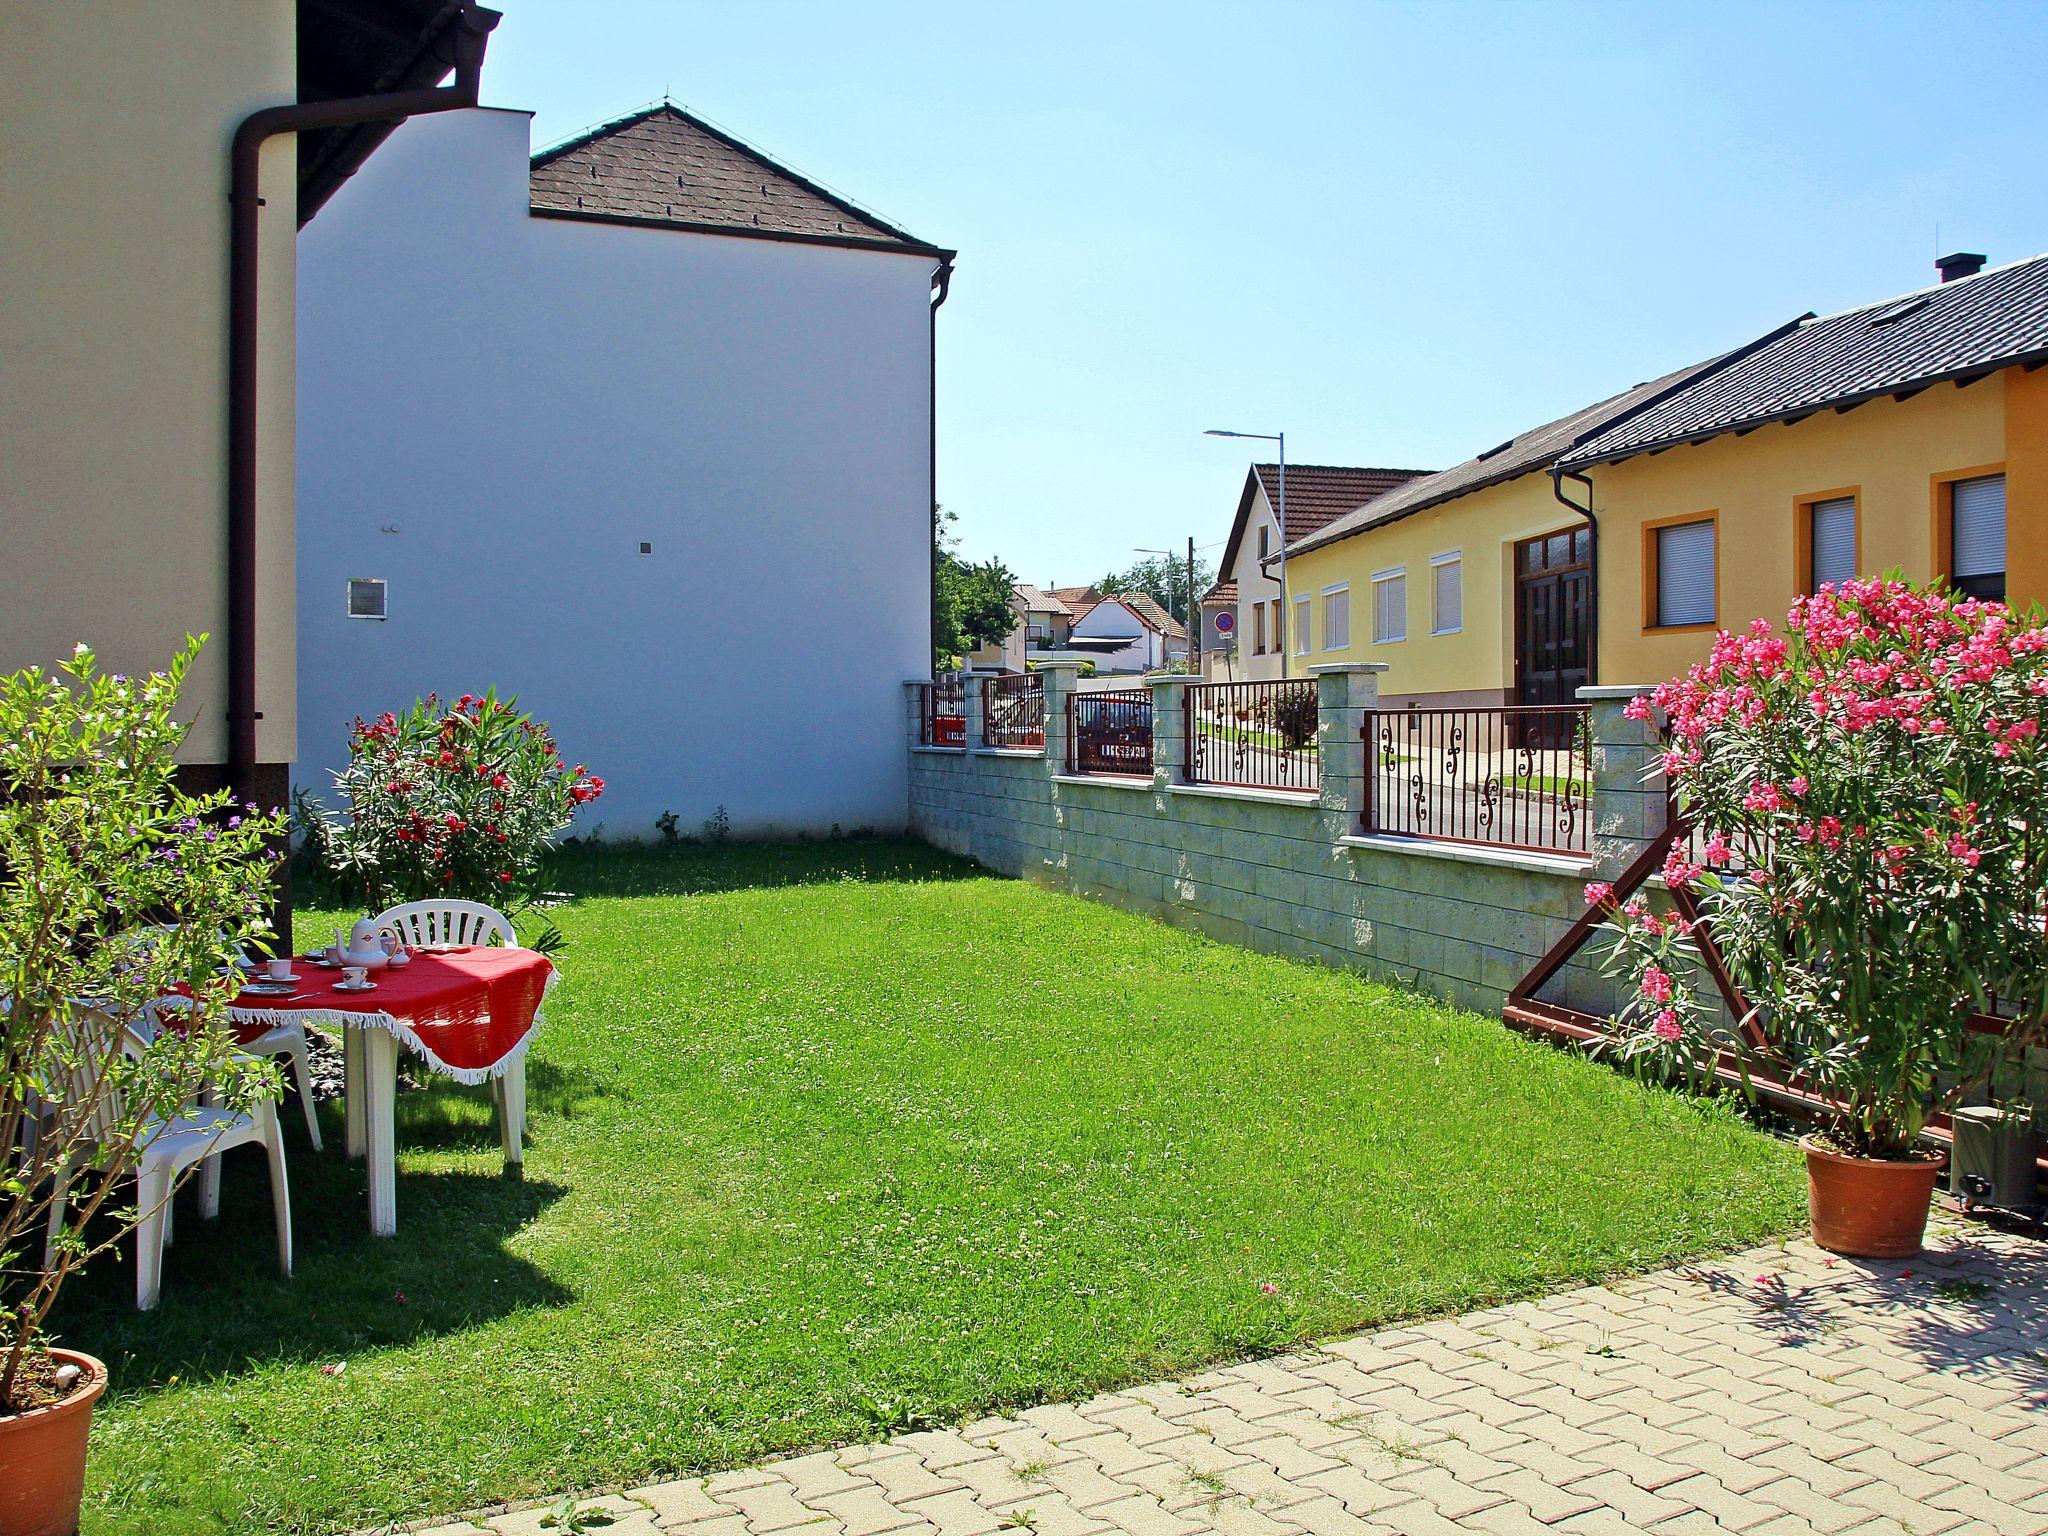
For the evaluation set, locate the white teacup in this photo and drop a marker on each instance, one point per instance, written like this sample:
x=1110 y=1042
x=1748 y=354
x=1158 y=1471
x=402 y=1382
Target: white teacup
x=280 y=970
x=355 y=975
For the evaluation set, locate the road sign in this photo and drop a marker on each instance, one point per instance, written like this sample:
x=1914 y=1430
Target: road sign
x=1225 y=621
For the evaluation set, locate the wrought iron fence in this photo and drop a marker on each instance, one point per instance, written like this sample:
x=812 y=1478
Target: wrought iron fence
x=1013 y=711
x=1258 y=735
x=1110 y=732
x=942 y=714
x=1517 y=777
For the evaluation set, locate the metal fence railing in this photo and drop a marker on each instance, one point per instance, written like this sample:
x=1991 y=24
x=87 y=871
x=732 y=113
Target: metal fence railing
x=941 y=714
x=1013 y=711
x=1258 y=735
x=1110 y=732
x=1517 y=777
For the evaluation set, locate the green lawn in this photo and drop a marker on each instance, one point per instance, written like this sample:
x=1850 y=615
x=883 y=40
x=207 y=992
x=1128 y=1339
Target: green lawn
x=832 y=1139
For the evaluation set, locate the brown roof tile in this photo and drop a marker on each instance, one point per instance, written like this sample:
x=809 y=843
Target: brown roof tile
x=1319 y=494
x=1150 y=613
x=663 y=166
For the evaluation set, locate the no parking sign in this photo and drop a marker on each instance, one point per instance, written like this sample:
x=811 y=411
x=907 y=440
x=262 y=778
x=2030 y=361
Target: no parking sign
x=1225 y=621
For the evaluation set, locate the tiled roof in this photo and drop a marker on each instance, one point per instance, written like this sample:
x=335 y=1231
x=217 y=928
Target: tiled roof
x=1532 y=450
x=1950 y=331
x=1037 y=601
x=1151 y=614
x=1319 y=494
x=1222 y=592
x=1078 y=599
x=663 y=166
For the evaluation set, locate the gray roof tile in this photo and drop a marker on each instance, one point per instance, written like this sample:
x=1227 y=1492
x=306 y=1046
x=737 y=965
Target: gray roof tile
x=1997 y=318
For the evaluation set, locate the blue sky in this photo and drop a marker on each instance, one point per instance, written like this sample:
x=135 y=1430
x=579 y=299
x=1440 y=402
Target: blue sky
x=1401 y=232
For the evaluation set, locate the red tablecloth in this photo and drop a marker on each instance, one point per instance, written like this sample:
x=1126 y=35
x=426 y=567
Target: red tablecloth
x=467 y=1012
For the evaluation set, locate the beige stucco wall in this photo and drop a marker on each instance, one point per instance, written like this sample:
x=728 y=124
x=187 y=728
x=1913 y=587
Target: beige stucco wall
x=1887 y=452
x=1473 y=664
x=116 y=117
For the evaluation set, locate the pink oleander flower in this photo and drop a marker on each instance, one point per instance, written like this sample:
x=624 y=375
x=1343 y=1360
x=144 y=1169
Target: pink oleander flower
x=1599 y=893
x=1666 y=1026
x=1656 y=985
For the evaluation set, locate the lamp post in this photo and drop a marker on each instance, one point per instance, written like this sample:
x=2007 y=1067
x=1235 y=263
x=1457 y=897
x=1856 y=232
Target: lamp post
x=1192 y=624
x=1286 y=606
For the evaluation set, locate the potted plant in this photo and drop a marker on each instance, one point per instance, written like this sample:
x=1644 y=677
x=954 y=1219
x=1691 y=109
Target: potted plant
x=115 y=888
x=1868 y=791
x=453 y=800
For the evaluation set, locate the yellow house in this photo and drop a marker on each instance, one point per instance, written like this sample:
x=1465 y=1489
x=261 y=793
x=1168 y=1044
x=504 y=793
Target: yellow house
x=146 y=428
x=1611 y=545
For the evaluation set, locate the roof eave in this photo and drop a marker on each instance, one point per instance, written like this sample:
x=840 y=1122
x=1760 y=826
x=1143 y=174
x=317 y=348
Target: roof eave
x=1795 y=413
x=744 y=232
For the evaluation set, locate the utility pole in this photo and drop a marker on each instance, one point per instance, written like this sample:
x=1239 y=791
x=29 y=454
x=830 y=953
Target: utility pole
x=1194 y=619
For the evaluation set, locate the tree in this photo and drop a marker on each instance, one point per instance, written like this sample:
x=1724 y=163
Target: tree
x=970 y=603
x=1165 y=579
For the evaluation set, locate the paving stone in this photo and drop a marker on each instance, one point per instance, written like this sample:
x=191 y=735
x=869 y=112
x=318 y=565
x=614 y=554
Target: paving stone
x=1835 y=1400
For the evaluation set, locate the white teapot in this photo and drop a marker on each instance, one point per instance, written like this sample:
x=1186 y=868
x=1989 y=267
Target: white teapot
x=364 y=946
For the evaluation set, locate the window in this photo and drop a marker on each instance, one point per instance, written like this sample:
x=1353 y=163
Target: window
x=1258 y=629
x=1447 y=593
x=1681 y=572
x=1301 y=616
x=1830 y=542
x=1976 y=536
x=1336 y=618
x=365 y=597
x=1390 y=606
x=1265 y=540
x=1279 y=628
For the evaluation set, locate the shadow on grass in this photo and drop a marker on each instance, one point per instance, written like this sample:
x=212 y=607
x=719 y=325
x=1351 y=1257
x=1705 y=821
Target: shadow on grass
x=690 y=868
x=443 y=1116
x=226 y=1310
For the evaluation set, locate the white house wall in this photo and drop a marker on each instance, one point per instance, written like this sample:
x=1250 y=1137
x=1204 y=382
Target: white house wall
x=496 y=410
x=1111 y=620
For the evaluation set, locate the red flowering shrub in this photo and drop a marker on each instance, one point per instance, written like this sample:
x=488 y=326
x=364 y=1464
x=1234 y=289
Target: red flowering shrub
x=1867 y=784
x=458 y=801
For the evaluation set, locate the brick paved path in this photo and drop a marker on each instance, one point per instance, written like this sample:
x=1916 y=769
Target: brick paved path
x=1774 y=1392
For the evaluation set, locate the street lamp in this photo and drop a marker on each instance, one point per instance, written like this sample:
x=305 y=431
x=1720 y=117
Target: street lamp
x=1285 y=600
x=1194 y=627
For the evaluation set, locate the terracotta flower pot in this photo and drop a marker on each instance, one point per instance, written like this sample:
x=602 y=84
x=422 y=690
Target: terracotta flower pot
x=1865 y=1207
x=42 y=1457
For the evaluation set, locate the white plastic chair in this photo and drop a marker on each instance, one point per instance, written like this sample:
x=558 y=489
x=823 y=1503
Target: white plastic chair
x=165 y=1148
x=287 y=1040
x=421 y=923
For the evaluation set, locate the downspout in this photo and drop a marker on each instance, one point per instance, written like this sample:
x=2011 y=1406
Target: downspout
x=942 y=285
x=1557 y=480
x=471 y=32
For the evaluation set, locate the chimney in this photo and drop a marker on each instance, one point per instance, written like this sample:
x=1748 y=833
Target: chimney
x=1961 y=264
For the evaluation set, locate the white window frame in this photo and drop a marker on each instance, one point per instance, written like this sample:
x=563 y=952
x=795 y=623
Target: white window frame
x=1391 y=573
x=1448 y=557
x=1304 y=621
x=348 y=606
x=1337 y=589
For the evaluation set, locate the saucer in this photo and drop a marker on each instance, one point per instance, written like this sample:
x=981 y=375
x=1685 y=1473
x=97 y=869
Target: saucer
x=354 y=986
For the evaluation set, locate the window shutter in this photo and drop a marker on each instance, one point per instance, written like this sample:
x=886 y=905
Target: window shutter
x=1336 y=621
x=1301 y=611
x=1390 y=608
x=1834 y=541
x=1977 y=524
x=1685 y=574
x=1447 y=581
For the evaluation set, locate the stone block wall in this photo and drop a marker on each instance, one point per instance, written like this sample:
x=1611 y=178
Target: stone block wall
x=1286 y=872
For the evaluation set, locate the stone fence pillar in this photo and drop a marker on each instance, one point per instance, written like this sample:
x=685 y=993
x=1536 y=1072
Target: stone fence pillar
x=974 y=708
x=1169 y=728
x=1627 y=805
x=1346 y=692
x=1058 y=683
x=913 y=698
